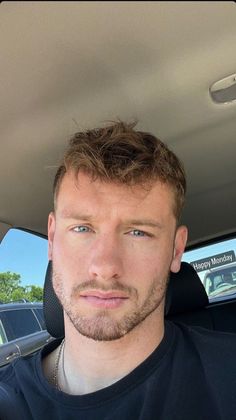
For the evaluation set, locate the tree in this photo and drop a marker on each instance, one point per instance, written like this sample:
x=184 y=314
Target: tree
x=10 y=286
x=35 y=294
x=11 y=289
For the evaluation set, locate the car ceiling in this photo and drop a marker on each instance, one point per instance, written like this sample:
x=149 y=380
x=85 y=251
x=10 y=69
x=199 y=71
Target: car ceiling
x=67 y=66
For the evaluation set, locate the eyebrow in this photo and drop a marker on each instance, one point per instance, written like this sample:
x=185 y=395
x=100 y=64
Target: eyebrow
x=87 y=217
x=145 y=222
x=66 y=214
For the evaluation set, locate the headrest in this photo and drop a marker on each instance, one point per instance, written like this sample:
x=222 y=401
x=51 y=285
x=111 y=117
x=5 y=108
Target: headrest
x=185 y=291
x=53 y=312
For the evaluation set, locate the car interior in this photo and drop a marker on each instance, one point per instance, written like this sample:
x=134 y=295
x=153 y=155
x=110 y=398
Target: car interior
x=68 y=66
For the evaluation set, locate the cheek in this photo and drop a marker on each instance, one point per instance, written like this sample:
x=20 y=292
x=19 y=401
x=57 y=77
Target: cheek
x=68 y=259
x=153 y=263
x=142 y=269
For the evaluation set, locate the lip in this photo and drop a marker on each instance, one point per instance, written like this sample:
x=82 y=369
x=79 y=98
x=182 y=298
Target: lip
x=104 y=295
x=108 y=300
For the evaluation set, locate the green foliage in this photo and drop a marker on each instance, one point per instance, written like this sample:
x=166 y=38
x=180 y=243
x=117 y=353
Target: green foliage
x=11 y=289
x=35 y=294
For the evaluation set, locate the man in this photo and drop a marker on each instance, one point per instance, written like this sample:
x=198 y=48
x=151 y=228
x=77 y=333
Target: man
x=114 y=237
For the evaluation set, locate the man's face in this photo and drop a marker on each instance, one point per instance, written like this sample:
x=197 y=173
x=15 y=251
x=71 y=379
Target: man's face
x=112 y=248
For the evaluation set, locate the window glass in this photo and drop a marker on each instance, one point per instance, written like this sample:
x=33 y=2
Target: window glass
x=40 y=316
x=216 y=267
x=19 y=323
x=23 y=263
x=3 y=338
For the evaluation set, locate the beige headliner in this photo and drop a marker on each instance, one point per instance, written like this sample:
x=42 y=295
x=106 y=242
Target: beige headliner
x=66 y=66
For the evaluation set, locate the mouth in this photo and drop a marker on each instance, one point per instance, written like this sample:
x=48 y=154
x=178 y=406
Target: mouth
x=108 y=300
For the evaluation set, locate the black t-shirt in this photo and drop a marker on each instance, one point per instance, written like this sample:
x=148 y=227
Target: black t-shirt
x=190 y=376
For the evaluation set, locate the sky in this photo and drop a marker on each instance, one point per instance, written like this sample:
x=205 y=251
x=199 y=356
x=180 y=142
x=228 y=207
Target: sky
x=26 y=254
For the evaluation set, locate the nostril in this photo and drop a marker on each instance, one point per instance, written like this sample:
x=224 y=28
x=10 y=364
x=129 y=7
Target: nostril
x=105 y=270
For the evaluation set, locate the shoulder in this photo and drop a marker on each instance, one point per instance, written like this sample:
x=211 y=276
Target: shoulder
x=6 y=373
x=10 y=373
x=27 y=365
x=20 y=381
x=13 y=379
x=212 y=347
x=203 y=336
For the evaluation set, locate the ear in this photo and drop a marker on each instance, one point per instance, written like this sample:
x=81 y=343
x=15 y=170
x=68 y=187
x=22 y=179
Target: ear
x=179 y=247
x=51 y=232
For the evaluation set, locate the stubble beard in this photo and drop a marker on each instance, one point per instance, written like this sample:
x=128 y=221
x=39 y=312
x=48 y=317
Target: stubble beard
x=102 y=326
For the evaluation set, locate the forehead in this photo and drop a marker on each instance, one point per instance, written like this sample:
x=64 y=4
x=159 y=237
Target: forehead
x=82 y=192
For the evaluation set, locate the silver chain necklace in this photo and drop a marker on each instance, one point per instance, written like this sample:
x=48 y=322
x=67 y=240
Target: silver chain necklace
x=56 y=367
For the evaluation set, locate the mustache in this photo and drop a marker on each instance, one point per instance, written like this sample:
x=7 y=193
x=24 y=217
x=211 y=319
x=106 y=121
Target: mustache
x=112 y=285
x=96 y=285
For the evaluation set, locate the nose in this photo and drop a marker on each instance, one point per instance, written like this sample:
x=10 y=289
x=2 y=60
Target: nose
x=105 y=261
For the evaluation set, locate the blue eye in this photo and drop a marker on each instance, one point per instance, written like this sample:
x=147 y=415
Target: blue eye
x=137 y=232
x=81 y=229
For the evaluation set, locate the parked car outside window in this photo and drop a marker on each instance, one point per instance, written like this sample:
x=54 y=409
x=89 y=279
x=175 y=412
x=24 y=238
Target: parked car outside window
x=221 y=281
x=215 y=264
x=22 y=330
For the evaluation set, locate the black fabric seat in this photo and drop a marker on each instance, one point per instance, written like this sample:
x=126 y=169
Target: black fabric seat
x=53 y=312
x=223 y=316
x=187 y=302
x=186 y=298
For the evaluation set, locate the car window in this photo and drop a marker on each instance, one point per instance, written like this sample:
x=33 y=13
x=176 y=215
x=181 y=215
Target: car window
x=40 y=317
x=19 y=323
x=3 y=338
x=23 y=262
x=216 y=267
x=220 y=280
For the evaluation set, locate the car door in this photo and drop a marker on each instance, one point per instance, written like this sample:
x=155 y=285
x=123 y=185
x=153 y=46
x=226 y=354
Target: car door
x=22 y=334
x=8 y=350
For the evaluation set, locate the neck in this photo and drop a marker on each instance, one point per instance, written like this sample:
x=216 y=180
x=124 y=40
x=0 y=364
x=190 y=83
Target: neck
x=89 y=365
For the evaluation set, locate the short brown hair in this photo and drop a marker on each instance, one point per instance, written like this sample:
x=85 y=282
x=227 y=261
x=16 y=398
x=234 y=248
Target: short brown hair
x=118 y=153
